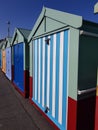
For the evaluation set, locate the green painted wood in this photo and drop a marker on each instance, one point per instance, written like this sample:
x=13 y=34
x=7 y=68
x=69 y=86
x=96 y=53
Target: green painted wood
x=63 y=17
x=26 y=56
x=8 y=42
x=4 y=45
x=12 y=56
x=31 y=58
x=17 y=37
x=73 y=62
x=88 y=62
x=54 y=20
x=48 y=25
x=20 y=35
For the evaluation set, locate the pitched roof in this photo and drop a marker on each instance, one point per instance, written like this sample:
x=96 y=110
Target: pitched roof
x=8 y=41
x=2 y=43
x=24 y=32
x=59 y=16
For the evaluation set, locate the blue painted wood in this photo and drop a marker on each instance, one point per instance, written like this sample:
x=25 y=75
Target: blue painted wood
x=65 y=59
x=53 y=115
x=46 y=47
x=51 y=72
x=57 y=73
x=18 y=66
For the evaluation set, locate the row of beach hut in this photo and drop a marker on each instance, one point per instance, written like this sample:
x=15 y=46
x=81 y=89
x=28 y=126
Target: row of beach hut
x=55 y=66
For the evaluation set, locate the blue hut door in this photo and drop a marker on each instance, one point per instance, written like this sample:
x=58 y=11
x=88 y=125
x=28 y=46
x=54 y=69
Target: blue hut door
x=50 y=56
x=18 y=66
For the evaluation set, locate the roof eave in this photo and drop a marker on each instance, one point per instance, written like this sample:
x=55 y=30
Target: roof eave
x=41 y=16
x=69 y=19
x=15 y=35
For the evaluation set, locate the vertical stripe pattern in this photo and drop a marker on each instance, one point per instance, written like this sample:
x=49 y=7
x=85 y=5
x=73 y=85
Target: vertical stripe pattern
x=36 y=76
x=39 y=69
x=43 y=72
x=50 y=76
x=54 y=76
x=33 y=48
x=60 y=77
x=48 y=73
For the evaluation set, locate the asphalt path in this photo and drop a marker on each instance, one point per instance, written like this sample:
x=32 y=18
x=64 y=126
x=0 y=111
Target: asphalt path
x=16 y=112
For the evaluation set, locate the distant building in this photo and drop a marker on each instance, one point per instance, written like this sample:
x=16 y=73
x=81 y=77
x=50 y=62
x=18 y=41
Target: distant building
x=2 y=41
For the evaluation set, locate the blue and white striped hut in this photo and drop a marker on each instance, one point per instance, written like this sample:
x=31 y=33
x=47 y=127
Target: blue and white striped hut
x=60 y=69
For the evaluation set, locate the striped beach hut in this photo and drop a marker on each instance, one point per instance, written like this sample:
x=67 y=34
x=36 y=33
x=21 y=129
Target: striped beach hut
x=63 y=69
x=20 y=61
x=8 y=59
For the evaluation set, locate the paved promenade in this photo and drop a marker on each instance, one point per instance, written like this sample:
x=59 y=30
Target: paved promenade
x=16 y=113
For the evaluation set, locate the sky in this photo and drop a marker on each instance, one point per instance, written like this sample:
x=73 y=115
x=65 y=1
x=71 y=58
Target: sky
x=24 y=13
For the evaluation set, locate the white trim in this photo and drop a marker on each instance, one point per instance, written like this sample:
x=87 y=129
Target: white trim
x=36 y=70
x=48 y=73
x=54 y=75
x=33 y=65
x=39 y=71
x=43 y=71
x=61 y=77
